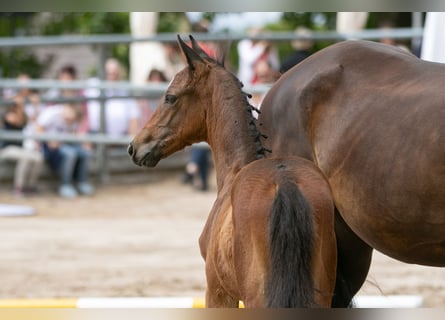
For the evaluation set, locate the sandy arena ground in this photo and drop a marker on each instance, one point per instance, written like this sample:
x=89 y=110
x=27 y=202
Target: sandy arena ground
x=138 y=237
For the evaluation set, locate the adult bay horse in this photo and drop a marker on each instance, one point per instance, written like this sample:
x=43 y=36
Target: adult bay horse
x=372 y=118
x=269 y=239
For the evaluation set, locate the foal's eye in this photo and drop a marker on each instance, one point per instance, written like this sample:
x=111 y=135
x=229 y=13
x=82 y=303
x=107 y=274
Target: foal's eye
x=170 y=99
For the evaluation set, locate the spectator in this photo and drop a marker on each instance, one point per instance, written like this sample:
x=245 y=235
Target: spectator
x=388 y=26
x=66 y=73
x=264 y=74
x=302 y=49
x=174 y=62
x=148 y=106
x=30 y=101
x=29 y=161
x=211 y=48
x=156 y=75
x=249 y=52
x=122 y=114
x=68 y=160
x=197 y=169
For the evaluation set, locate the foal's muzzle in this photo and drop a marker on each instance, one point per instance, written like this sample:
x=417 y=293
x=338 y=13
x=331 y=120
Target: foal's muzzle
x=145 y=155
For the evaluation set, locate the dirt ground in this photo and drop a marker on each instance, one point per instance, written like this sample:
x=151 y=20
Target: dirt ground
x=138 y=237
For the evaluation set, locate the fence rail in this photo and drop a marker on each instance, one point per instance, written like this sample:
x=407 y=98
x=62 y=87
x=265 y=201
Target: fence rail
x=150 y=90
x=100 y=139
x=369 y=34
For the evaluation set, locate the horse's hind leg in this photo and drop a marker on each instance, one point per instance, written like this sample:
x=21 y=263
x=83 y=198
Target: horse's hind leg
x=354 y=260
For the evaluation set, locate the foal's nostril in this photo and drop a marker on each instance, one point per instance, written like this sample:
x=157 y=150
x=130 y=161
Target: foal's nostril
x=130 y=150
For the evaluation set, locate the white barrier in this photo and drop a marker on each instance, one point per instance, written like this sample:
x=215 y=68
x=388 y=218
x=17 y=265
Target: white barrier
x=392 y=301
x=12 y=210
x=168 y=302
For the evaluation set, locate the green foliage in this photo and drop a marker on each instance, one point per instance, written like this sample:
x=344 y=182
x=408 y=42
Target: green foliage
x=107 y=23
x=317 y=21
x=14 y=23
x=61 y=23
x=22 y=60
x=19 y=60
x=172 y=22
x=86 y=23
x=92 y=23
x=16 y=60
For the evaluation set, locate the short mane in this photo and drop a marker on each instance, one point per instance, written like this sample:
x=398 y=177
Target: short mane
x=255 y=132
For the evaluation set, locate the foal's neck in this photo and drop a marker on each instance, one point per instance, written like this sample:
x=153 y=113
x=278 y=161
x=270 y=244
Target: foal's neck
x=232 y=131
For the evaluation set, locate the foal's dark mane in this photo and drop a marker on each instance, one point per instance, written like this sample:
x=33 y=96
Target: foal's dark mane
x=255 y=133
x=253 y=127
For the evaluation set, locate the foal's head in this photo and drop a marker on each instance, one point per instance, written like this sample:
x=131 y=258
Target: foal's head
x=182 y=115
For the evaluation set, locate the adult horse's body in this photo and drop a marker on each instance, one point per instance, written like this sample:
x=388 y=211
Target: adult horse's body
x=372 y=118
x=269 y=239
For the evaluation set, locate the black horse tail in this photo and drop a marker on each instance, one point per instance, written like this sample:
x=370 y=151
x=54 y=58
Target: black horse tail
x=290 y=283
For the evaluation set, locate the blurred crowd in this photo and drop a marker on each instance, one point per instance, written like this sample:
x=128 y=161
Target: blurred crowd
x=259 y=63
x=68 y=161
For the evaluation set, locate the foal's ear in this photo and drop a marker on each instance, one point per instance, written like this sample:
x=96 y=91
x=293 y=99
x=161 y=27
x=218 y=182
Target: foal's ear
x=198 y=49
x=189 y=53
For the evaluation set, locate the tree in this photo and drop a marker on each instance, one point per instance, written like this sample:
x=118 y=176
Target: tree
x=15 y=60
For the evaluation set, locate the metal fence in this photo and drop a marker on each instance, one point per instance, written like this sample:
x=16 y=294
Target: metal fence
x=110 y=39
x=103 y=42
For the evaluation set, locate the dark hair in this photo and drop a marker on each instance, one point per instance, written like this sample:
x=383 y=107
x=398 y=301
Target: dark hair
x=157 y=72
x=70 y=69
x=201 y=26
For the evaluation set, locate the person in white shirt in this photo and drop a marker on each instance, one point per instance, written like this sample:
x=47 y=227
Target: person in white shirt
x=249 y=52
x=121 y=114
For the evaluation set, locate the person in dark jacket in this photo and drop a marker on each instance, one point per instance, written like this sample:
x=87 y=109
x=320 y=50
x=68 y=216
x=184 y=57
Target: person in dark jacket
x=302 y=49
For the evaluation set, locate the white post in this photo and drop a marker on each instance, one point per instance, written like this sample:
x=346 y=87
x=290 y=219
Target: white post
x=145 y=55
x=351 y=21
x=433 y=45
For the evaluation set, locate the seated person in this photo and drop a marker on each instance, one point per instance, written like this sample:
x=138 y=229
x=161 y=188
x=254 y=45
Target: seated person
x=29 y=161
x=122 y=113
x=69 y=160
